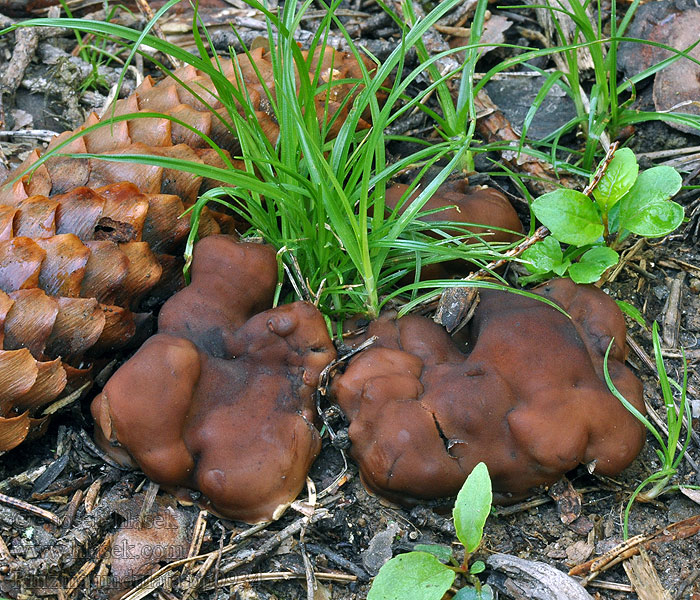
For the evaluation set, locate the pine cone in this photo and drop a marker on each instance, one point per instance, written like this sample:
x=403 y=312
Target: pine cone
x=84 y=241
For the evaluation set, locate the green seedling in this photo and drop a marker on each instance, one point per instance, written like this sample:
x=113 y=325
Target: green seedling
x=623 y=202
x=671 y=450
x=430 y=570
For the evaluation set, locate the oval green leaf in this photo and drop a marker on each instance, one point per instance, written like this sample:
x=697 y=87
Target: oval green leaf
x=646 y=209
x=543 y=256
x=472 y=507
x=416 y=575
x=570 y=215
x=655 y=219
x=617 y=180
x=593 y=264
x=478 y=567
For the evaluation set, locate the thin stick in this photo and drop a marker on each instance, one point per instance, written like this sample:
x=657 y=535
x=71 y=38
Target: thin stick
x=281 y=576
x=30 y=508
x=311 y=585
x=45 y=135
x=199 y=575
x=612 y=585
x=200 y=528
x=274 y=541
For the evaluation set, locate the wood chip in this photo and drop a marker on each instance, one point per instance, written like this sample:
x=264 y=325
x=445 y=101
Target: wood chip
x=644 y=578
x=672 y=312
x=91 y=495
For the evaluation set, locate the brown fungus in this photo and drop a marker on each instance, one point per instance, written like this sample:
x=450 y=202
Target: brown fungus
x=221 y=399
x=459 y=202
x=523 y=391
x=470 y=205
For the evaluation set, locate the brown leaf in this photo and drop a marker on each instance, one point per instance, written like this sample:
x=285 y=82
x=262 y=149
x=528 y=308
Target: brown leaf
x=78 y=212
x=124 y=203
x=119 y=329
x=36 y=218
x=13 y=431
x=143 y=275
x=105 y=271
x=50 y=382
x=7 y=220
x=138 y=547
x=78 y=326
x=18 y=372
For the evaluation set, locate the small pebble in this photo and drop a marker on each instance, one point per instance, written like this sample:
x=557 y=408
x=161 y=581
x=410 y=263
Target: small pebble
x=661 y=292
x=379 y=550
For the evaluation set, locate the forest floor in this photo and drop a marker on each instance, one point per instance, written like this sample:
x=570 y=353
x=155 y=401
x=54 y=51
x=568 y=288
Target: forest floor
x=95 y=541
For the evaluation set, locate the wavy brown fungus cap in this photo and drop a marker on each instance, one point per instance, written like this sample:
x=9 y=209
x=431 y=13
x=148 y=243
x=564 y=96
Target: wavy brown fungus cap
x=482 y=210
x=220 y=400
x=526 y=395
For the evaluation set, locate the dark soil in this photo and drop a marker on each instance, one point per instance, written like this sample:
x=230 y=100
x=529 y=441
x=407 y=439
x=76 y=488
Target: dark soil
x=352 y=532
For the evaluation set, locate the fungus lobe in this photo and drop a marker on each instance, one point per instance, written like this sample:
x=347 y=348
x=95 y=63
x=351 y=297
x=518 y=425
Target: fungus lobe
x=522 y=390
x=220 y=400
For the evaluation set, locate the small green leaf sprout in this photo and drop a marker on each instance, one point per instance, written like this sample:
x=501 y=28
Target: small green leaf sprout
x=624 y=202
x=671 y=449
x=431 y=569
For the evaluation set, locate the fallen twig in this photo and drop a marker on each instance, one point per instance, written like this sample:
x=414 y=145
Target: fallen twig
x=280 y=576
x=274 y=541
x=675 y=531
x=30 y=508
